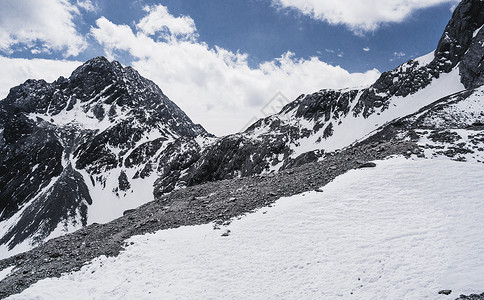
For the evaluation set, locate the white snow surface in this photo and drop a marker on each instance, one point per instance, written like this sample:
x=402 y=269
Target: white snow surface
x=425 y=59
x=108 y=205
x=5 y=272
x=476 y=32
x=403 y=230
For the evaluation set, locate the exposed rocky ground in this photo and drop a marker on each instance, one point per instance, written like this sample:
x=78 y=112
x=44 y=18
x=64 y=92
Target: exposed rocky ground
x=471 y=297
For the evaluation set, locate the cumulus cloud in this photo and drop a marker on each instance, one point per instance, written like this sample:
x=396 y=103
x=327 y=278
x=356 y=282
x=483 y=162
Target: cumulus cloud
x=359 y=15
x=159 y=20
x=48 y=23
x=16 y=70
x=214 y=86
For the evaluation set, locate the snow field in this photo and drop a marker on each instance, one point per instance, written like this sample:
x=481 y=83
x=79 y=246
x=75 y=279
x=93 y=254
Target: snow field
x=403 y=230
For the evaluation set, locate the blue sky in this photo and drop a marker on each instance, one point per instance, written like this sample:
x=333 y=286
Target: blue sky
x=220 y=60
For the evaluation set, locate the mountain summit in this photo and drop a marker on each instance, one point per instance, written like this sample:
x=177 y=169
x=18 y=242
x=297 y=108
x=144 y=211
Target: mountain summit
x=73 y=151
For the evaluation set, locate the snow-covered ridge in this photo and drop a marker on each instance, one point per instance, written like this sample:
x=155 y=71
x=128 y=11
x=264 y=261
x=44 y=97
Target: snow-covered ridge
x=341 y=119
x=329 y=120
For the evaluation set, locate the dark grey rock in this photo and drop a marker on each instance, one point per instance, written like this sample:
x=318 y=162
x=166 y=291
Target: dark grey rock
x=128 y=211
x=367 y=165
x=471 y=297
x=458 y=34
x=445 y=292
x=123 y=182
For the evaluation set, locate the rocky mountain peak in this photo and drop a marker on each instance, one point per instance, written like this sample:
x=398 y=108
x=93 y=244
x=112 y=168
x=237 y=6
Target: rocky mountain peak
x=98 y=64
x=74 y=145
x=460 y=31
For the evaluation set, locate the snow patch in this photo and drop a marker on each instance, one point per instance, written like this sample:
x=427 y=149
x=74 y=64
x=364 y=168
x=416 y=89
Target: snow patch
x=5 y=272
x=476 y=32
x=425 y=59
x=109 y=203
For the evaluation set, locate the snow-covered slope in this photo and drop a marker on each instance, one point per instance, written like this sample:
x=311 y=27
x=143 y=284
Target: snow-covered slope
x=83 y=149
x=403 y=230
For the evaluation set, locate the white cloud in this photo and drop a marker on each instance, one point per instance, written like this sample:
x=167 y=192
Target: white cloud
x=214 y=86
x=359 y=15
x=50 y=23
x=16 y=70
x=87 y=5
x=159 y=20
x=366 y=49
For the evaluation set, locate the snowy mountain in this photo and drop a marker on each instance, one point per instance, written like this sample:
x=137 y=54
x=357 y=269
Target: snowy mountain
x=323 y=223
x=334 y=119
x=89 y=148
x=82 y=150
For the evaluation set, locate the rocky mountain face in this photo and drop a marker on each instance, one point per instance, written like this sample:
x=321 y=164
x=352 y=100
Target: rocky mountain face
x=333 y=119
x=85 y=149
x=79 y=150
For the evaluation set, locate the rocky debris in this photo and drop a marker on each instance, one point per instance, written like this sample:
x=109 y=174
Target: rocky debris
x=471 y=297
x=445 y=128
x=128 y=211
x=445 y=292
x=302 y=159
x=208 y=202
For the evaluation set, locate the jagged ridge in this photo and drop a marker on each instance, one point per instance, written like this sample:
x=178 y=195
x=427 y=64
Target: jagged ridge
x=61 y=140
